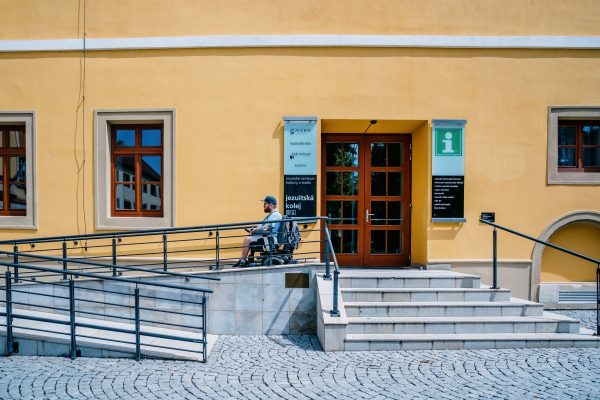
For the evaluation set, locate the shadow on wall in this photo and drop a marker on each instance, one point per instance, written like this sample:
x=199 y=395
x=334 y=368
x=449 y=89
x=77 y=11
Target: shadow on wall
x=445 y=232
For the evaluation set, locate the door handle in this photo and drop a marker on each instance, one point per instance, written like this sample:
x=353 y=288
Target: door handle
x=367 y=215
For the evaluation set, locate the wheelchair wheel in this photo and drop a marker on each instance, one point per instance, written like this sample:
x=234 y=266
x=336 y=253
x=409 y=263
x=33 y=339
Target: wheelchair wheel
x=274 y=261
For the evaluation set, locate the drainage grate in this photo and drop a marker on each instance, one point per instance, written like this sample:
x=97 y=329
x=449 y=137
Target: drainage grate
x=577 y=296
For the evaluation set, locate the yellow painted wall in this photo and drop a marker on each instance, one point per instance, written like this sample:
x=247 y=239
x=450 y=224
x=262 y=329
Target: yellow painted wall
x=582 y=237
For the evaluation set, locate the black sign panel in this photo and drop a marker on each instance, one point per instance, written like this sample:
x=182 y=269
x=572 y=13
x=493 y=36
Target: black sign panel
x=300 y=195
x=448 y=197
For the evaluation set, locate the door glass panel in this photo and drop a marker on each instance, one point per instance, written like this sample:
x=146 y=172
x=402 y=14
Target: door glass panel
x=377 y=242
x=350 y=154
x=334 y=211
x=394 y=242
x=394 y=212
x=591 y=135
x=566 y=156
x=151 y=137
x=566 y=134
x=1 y=168
x=350 y=184
x=350 y=213
x=1 y=195
x=16 y=138
x=378 y=154
x=17 y=196
x=125 y=138
x=125 y=197
x=125 y=169
x=395 y=155
x=16 y=168
x=1 y=137
x=377 y=183
x=151 y=168
x=349 y=242
x=394 y=183
x=334 y=183
x=333 y=155
x=591 y=157
x=377 y=208
x=336 y=240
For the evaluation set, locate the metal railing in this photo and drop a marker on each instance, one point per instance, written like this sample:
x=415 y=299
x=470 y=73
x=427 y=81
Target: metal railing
x=88 y=311
x=562 y=249
x=330 y=252
x=210 y=247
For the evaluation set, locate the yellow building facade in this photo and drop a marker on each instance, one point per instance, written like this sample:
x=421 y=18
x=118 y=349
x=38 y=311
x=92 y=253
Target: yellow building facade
x=219 y=77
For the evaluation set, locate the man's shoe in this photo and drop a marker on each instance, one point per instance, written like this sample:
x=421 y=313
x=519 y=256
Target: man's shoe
x=240 y=264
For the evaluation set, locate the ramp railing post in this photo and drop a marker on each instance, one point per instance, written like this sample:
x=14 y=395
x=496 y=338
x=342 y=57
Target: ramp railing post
x=72 y=318
x=495 y=259
x=64 y=263
x=598 y=300
x=9 y=329
x=138 y=344
x=217 y=249
x=16 y=261
x=326 y=252
x=204 y=321
x=164 y=240
x=114 y=256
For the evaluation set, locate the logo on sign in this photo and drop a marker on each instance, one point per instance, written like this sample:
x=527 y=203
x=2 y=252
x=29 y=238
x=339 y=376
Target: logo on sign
x=448 y=142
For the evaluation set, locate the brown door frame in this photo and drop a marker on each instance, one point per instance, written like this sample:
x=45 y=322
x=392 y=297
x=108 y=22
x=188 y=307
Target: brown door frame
x=364 y=247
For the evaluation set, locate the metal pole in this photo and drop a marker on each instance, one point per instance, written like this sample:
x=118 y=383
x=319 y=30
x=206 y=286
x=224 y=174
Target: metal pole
x=217 y=249
x=138 y=346
x=335 y=312
x=204 y=320
x=495 y=260
x=326 y=252
x=9 y=330
x=597 y=300
x=114 y=256
x=164 y=252
x=16 y=261
x=72 y=318
x=64 y=254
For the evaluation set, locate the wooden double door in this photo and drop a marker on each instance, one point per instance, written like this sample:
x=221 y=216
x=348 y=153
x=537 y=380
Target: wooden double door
x=366 y=192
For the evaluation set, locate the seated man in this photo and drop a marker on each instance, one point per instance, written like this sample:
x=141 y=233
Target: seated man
x=266 y=229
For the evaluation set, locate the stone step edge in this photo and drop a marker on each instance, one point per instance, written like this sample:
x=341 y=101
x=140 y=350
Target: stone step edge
x=451 y=320
x=408 y=290
x=416 y=275
x=441 y=304
x=411 y=337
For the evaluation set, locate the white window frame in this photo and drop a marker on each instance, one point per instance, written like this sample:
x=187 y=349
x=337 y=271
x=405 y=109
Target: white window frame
x=102 y=168
x=556 y=113
x=29 y=220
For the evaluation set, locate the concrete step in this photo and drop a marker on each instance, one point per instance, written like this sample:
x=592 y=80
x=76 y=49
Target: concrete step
x=43 y=338
x=444 y=309
x=423 y=294
x=374 y=342
x=407 y=279
x=548 y=323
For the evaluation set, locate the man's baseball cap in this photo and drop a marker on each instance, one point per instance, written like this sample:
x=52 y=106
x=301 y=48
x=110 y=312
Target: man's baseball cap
x=270 y=200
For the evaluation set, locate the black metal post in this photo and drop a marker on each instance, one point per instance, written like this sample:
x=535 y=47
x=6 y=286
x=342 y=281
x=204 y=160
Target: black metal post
x=204 y=320
x=326 y=252
x=217 y=249
x=114 y=256
x=164 y=252
x=335 y=312
x=9 y=330
x=72 y=318
x=64 y=255
x=495 y=260
x=16 y=261
x=598 y=300
x=138 y=344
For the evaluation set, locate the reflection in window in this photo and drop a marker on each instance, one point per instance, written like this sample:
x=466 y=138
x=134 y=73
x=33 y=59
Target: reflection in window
x=341 y=154
x=13 y=171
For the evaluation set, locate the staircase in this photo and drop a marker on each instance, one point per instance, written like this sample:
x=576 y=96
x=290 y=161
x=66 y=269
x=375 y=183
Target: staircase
x=425 y=310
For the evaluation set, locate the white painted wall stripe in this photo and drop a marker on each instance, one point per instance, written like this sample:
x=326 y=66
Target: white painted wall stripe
x=263 y=41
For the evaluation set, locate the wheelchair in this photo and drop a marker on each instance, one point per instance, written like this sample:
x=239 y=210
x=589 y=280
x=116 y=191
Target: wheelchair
x=271 y=252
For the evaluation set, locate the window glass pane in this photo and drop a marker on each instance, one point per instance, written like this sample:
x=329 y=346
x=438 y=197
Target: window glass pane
x=378 y=211
x=1 y=195
x=17 y=196
x=334 y=183
x=151 y=198
x=566 y=157
x=125 y=171
x=16 y=169
x=377 y=183
x=591 y=157
x=1 y=141
x=350 y=213
x=377 y=242
x=394 y=212
x=395 y=184
x=334 y=211
x=151 y=168
x=350 y=154
x=350 y=184
x=16 y=138
x=591 y=135
x=334 y=155
x=566 y=134
x=378 y=154
x=1 y=169
x=151 y=137
x=125 y=138
x=394 y=242
x=125 y=197
x=350 y=242
x=395 y=155
x=336 y=240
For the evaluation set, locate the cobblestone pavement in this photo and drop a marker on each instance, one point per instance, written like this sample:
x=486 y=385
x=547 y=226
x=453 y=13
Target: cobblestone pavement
x=587 y=318
x=294 y=367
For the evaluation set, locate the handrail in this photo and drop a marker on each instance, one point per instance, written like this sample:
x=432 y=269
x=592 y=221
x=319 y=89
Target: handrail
x=559 y=248
x=334 y=312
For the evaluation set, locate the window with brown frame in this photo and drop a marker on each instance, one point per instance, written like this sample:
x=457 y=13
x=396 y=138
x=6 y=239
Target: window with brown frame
x=13 y=182
x=137 y=170
x=579 y=145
